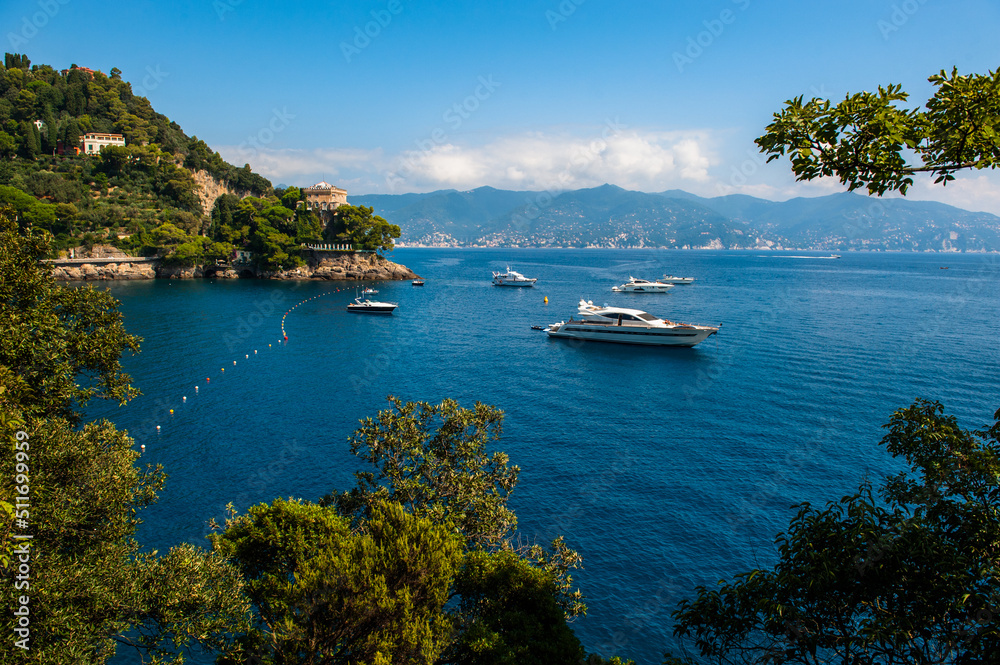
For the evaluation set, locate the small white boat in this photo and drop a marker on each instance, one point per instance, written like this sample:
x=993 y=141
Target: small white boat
x=628 y=326
x=371 y=306
x=512 y=278
x=417 y=282
x=369 y=291
x=671 y=279
x=642 y=286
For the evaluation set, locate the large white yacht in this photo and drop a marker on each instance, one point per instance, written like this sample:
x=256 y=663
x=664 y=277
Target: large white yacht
x=642 y=286
x=512 y=278
x=628 y=326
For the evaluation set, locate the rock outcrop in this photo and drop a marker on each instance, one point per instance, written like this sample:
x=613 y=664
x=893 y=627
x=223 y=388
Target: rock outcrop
x=352 y=267
x=101 y=271
x=110 y=263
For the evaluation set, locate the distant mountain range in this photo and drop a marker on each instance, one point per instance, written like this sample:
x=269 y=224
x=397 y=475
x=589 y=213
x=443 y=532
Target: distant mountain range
x=609 y=216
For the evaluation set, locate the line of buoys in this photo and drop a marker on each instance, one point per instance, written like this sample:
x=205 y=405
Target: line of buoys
x=246 y=356
x=284 y=334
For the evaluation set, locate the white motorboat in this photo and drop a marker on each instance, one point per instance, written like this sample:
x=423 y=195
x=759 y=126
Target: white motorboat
x=369 y=291
x=671 y=279
x=371 y=306
x=628 y=326
x=642 y=286
x=512 y=278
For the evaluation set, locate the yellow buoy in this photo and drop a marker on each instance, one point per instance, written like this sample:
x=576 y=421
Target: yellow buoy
x=171 y=412
x=546 y=300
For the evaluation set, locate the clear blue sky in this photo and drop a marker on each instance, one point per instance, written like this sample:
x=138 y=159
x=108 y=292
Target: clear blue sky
x=528 y=95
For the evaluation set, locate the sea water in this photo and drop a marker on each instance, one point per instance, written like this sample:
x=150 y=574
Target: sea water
x=665 y=468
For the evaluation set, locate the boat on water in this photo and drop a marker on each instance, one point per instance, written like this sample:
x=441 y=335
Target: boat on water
x=634 y=285
x=671 y=279
x=512 y=278
x=369 y=291
x=417 y=282
x=371 y=306
x=628 y=326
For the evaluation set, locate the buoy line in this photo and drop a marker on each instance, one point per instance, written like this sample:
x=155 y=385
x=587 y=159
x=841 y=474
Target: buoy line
x=246 y=356
x=284 y=334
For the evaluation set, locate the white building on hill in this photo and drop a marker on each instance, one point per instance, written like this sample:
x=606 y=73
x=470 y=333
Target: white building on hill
x=92 y=143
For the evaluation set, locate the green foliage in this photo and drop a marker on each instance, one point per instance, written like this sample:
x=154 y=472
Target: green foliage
x=865 y=140
x=913 y=580
x=91 y=587
x=433 y=460
x=509 y=615
x=324 y=593
x=59 y=347
x=358 y=226
x=137 y=186
x=29 y=210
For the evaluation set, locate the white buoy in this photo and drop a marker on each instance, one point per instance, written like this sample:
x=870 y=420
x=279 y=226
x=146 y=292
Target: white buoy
x=196 y=388
x=184 y=399
x=255 y=351
x=247 y=355
x=157 y=428
x=143 y=447
x=234 y=362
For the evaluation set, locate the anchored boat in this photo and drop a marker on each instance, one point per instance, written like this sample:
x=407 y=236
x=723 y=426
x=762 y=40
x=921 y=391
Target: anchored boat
x=628 y=326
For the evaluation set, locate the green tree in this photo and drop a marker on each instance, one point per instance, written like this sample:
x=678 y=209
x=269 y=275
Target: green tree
x=433 y=460
x=508 y=614
x=866 y=140
x=324 y=593
x=92 y=588
x=59 y=347
x=359 y=226
x=909 y=579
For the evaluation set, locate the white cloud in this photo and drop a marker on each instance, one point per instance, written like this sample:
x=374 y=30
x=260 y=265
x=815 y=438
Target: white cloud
x=649 y=161
x=979 y=193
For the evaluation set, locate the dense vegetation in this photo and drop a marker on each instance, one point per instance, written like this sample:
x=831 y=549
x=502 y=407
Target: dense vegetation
x=143 y=197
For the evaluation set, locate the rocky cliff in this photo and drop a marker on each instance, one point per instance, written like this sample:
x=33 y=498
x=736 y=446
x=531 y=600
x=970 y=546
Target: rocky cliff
x=110 y=263
x=210 y=189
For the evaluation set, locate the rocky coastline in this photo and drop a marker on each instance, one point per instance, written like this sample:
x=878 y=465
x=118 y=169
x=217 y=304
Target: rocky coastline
x=109 y=263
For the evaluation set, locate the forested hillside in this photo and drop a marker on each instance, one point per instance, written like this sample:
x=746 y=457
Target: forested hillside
x=143 y=197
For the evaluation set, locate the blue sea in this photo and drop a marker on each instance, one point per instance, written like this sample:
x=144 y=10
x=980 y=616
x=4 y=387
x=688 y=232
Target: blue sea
x=666 y=468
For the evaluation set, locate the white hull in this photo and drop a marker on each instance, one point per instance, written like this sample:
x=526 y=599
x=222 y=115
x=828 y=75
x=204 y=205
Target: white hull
x=630 y=334
x=644 y=288
x=512 y=278
x=526 y=282
x=670 y=279
x=628 y=326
